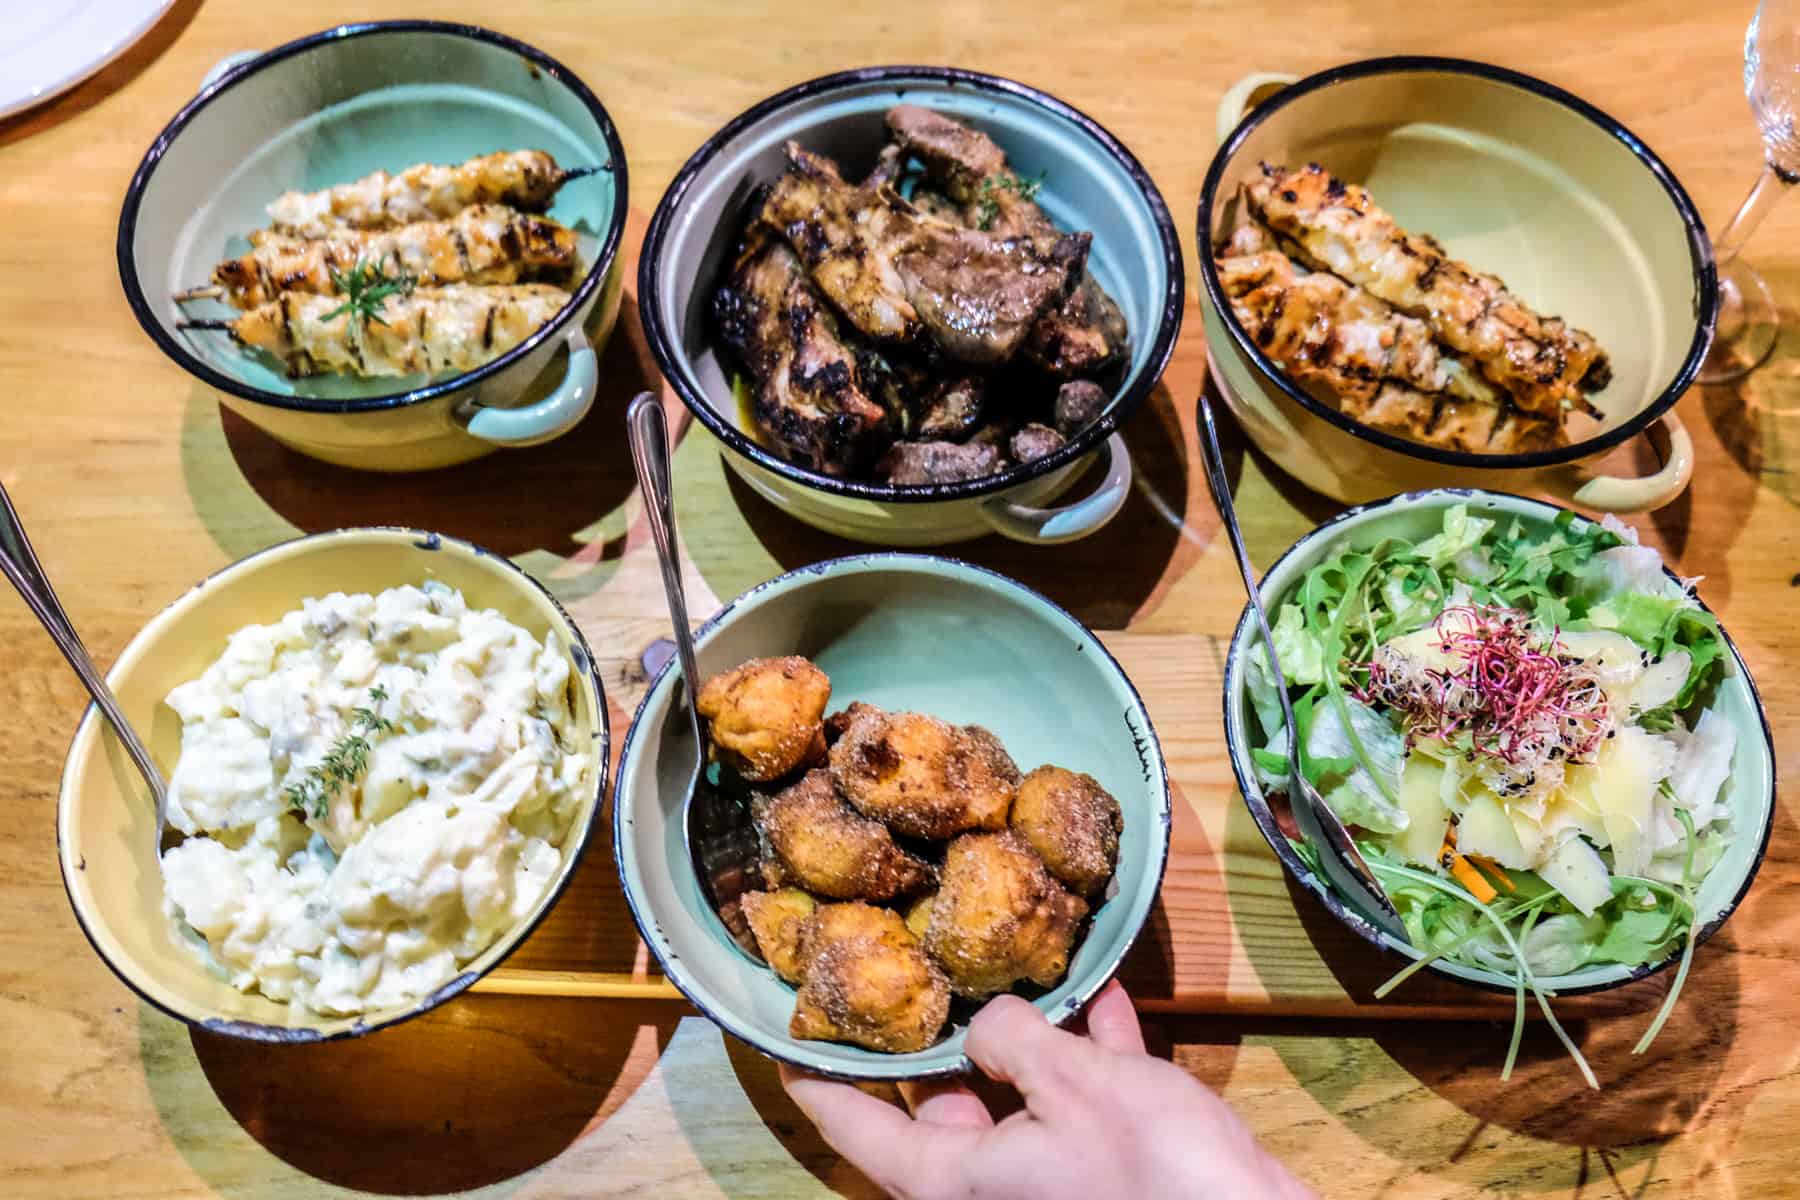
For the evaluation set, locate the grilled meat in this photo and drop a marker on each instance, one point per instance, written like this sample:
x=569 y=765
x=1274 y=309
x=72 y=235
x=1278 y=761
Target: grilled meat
x=486 y=244
x=939 y=462
x=814 y=395
x=950 y=411
x=523 y=179
x=1451 y=424
x=1035 y=441
x=895 y=273
x=1079 y=403
x=1545 y=364
x=428 y=331
x=1084 y=332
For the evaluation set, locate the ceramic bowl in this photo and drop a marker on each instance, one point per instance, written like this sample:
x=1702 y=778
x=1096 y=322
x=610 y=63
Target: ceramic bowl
x=1416 y=516
x=1091 y=182
x=904 y=632
x=1519 y=178
x=105 y=818
x=331 y=108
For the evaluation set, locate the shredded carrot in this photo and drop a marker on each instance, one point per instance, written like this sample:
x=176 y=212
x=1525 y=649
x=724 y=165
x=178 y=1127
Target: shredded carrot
x=1496 y=870
x=1463 y=871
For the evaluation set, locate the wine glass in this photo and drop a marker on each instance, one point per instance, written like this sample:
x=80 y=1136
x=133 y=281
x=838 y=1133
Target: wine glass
x=1748 y=319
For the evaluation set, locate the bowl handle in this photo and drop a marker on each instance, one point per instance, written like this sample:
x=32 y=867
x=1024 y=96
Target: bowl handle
x=1049 y=526
x=225 y=65
x=1611 y=493
x=556 y=413
x=1246 y=94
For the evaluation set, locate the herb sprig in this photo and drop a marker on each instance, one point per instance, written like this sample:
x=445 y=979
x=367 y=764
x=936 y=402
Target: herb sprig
x=988 y=203
x=366 y=287
x=343 y=764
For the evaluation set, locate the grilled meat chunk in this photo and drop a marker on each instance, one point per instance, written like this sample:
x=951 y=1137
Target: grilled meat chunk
x=1543 y=362
x=813 y=392
x=913 y=463
x=1034 y=441
x=895 y=273
x=1079 y=404
x=950 y=411
x=1078 y=336
x=523 y=179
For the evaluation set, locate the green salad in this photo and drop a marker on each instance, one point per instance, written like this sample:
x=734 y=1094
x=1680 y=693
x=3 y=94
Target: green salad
x=1515 y=723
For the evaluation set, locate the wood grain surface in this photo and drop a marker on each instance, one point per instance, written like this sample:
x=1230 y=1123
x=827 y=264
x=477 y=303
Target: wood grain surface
x=134 y=484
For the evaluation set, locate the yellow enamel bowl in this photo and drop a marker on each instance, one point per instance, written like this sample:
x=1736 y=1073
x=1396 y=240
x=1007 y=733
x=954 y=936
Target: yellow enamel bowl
x=105 y=817
x=1518 y=178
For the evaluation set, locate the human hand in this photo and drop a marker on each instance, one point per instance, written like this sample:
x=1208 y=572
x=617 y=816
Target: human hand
x=1102 y=1118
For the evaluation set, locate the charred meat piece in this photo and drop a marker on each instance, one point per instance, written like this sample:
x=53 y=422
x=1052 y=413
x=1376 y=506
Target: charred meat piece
x=1543 y=362
x=951 y=411
x=894 y=272
x=1035 y=441
x=914 y=463
x=1079 y=404
x=1080 y=335
x=812 y=391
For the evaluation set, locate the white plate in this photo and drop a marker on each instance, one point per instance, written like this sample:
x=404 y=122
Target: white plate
x=49 y=46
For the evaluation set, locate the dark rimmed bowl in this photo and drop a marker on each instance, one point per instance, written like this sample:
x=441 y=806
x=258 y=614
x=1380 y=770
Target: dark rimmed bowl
x=1091 y=182
x=105 y=820
x=333 y=107
x=1418 y=515
x=904 y=631
x=1519 y=178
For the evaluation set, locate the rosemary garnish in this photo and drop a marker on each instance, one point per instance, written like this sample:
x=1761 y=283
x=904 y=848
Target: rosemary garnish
x=989 y=203
x=343 y=764
x=366 y=287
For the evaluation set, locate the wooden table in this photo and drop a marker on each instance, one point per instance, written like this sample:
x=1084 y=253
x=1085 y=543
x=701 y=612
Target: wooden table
x=134 y=486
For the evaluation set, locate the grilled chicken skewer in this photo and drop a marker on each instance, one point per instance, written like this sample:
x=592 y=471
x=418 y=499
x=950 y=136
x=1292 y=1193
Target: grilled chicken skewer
x=428 y=331
x=523 y=179
x=1544 y=363
x=486 y=244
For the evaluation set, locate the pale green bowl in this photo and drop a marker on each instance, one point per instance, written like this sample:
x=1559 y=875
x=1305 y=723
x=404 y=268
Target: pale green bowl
x=1417 y=515
x=904 y=632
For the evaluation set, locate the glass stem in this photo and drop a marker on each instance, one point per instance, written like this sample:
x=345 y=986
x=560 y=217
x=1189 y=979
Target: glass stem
x=1770 y=186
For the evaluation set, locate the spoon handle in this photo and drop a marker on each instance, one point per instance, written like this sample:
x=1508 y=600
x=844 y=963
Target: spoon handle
x=20 y=564
x=648 y=433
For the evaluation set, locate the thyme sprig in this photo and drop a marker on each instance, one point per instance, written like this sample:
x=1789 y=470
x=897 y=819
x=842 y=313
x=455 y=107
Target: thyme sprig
x=988 y=203
x=365 y=288
x=343 y=764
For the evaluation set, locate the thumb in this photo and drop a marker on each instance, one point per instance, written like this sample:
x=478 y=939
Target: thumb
x=1010 y=1040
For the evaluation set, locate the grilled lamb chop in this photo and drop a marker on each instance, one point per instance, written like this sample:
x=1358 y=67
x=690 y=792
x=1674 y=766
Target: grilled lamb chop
x=1086 y=331
x=895 y=273
x=815 y=396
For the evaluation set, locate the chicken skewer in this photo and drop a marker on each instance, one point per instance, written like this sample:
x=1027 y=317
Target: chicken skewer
x=485 y=244
x=523 y=179
x=1546 y=364
x=424 y=331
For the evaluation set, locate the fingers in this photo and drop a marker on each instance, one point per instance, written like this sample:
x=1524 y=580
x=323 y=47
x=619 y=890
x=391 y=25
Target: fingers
x=903 y=1156
x=945 y=1102
x=1112 y=1022
x=1010 y=1040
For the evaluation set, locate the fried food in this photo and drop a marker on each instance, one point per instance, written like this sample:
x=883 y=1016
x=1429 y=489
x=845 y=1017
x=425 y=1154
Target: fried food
x=828 y=848
x=918 y=914
x=921 y=776
x=1543 y=362
x=1073 y=823
x=775 y=921
x=867 y=982
x=1000 y=917
x=765 y=716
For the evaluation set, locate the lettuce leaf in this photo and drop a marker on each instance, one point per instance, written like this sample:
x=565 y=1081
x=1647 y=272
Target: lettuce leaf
x=1461 y=533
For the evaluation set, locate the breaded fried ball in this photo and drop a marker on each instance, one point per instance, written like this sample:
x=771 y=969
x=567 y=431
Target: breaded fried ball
x=921 y=776
x=1000 y=917
x=765 y=716
x=867 y=982
x=831 y=850
x=1073 y=823
x=775 y=919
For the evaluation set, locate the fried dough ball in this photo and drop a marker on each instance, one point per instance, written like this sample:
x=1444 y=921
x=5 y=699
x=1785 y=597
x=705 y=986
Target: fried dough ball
x=918 y=914
x=1073 y=823
x=921 y=776
x=775 y=919
x=765 y=716
x=867 y=982
x=825 y=846
x=1000 y=916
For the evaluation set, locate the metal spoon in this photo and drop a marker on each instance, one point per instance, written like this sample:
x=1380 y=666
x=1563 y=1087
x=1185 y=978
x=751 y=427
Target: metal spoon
x=1343 y=863
x=20 y=563
x=722 y=841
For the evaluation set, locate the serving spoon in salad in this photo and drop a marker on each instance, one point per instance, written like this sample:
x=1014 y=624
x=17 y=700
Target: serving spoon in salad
x=20 y=564
x=1341 y=861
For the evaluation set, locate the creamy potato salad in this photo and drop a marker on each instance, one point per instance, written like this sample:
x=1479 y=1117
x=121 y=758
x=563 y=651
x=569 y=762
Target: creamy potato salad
x=373 y=789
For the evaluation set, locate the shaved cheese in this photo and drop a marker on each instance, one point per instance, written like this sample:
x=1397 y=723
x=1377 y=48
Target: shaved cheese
x=1487 y=830
x=1576 y=870
x=1702 y=766
x=1421 y=794
x=1624 y=778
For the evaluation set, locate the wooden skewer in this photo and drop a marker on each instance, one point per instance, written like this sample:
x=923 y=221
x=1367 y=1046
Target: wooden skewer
x=223 y=326
x=584 y=172
x=213 y=292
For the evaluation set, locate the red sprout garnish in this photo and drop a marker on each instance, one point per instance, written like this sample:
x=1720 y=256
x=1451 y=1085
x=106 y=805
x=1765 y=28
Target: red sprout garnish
x=1524 y=701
